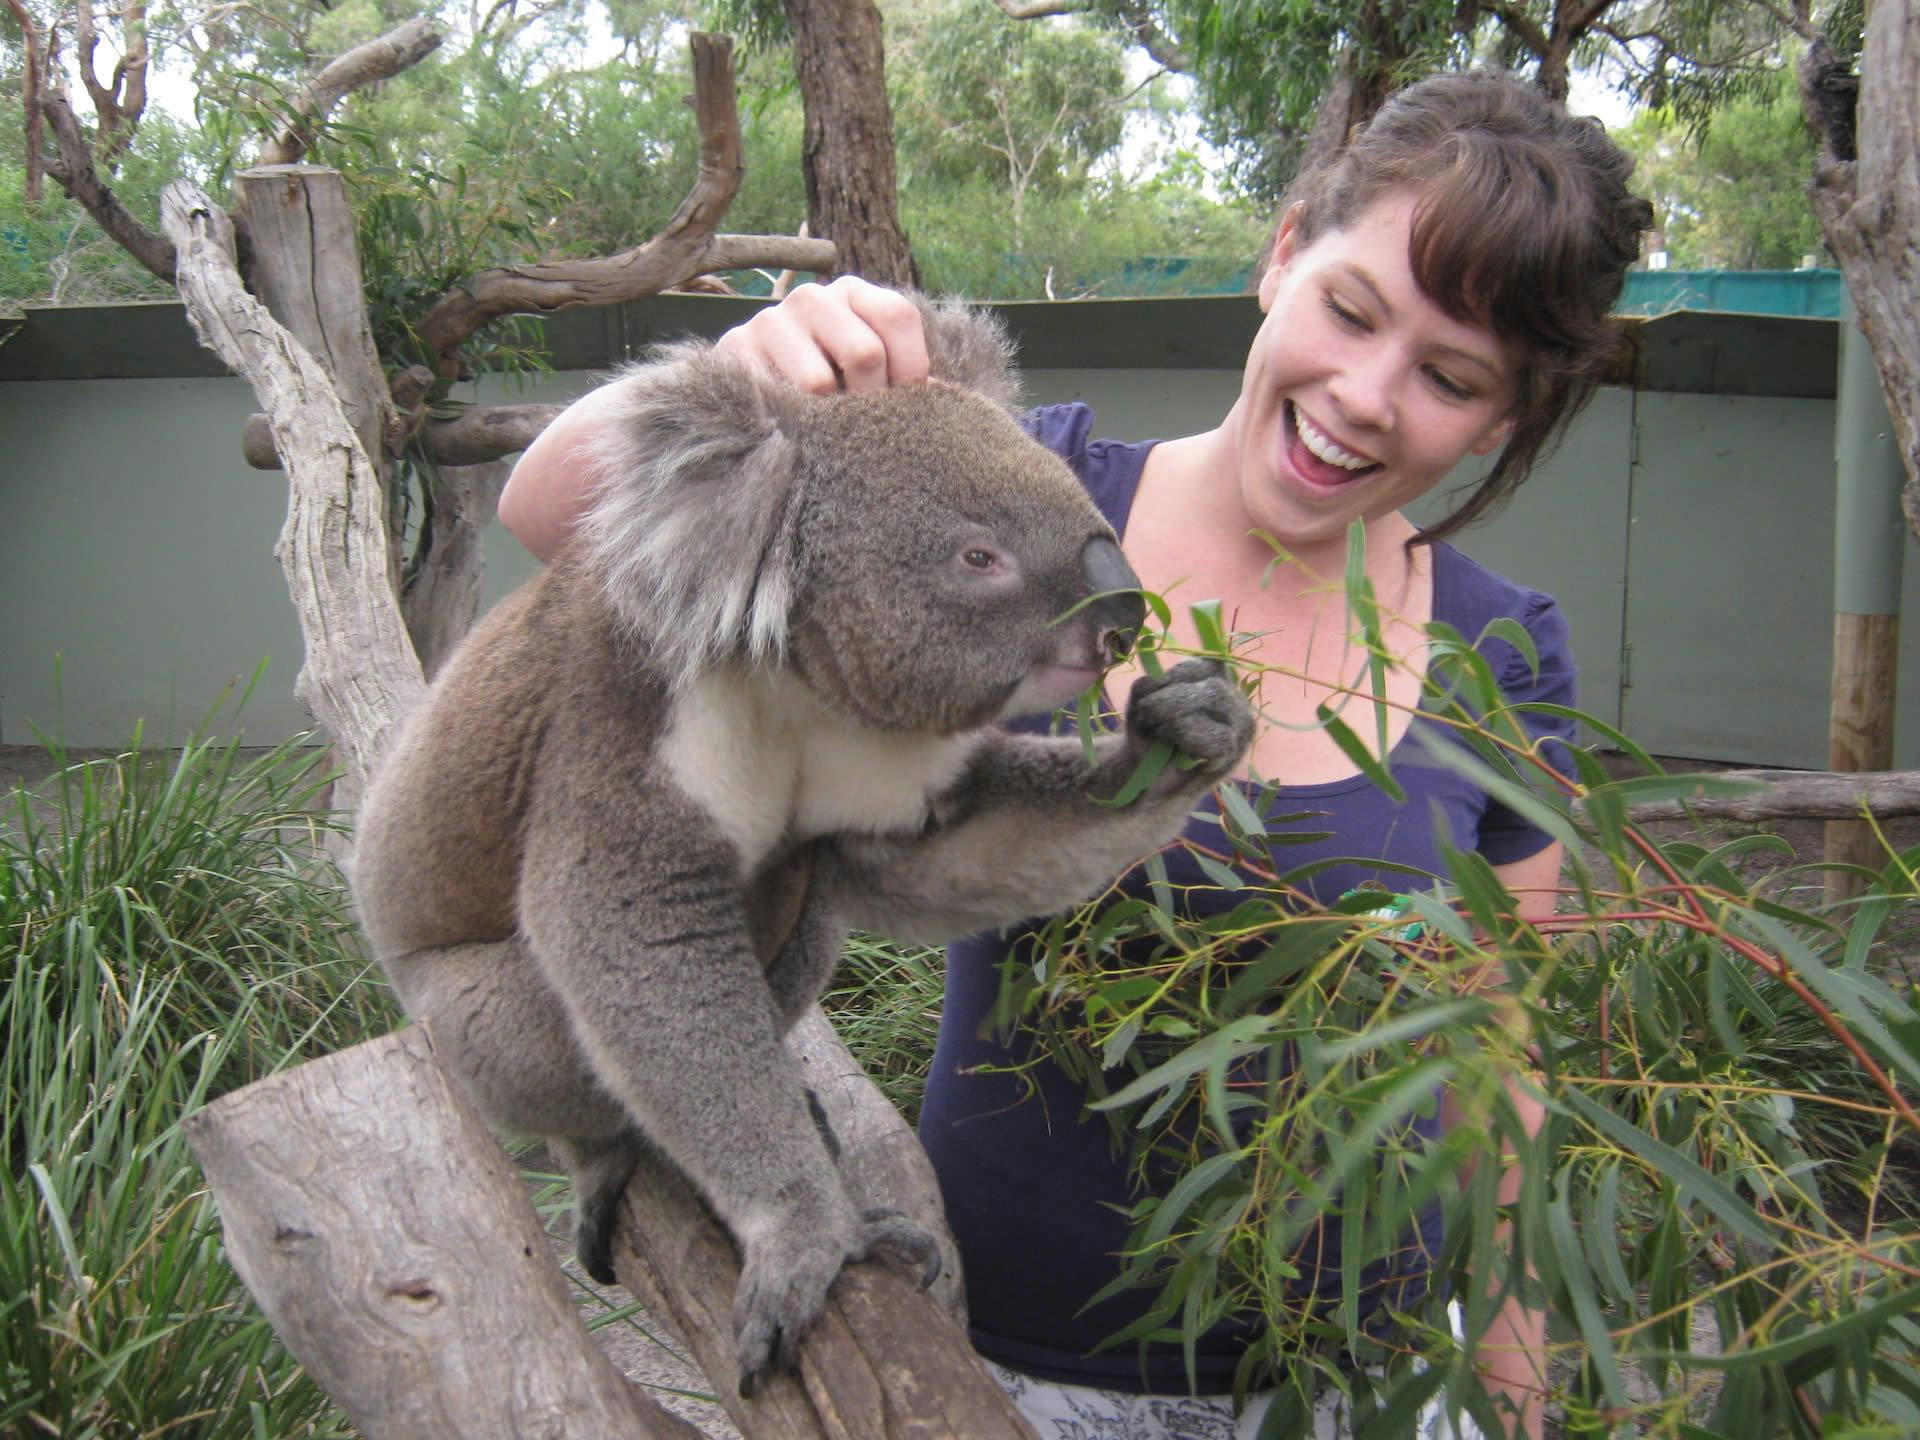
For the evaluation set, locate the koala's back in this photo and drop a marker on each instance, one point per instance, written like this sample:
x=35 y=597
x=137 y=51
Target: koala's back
x=440 y=837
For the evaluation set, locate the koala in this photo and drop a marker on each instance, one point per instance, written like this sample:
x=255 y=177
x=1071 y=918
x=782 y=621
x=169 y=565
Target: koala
x=753 y=703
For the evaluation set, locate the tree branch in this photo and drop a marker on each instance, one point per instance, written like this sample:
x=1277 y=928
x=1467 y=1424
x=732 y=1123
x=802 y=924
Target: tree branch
x=30 y=82
x=1522 y=26
x=383 y=1233
x=380 y=59
x=475 y=436
x=684 y=248
x=74 y=170
x=1798 y=795
x=360 y=672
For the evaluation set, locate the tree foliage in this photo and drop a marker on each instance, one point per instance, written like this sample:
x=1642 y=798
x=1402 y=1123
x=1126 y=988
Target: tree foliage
x=1733 y=198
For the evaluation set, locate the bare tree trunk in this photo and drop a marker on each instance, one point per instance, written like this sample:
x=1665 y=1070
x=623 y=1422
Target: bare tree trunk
x=1868 y=204
x=441 y=597
x=1797 y=795
x=385 y=1236
x=847 y=153
x=387 y=1239
x=360 y=672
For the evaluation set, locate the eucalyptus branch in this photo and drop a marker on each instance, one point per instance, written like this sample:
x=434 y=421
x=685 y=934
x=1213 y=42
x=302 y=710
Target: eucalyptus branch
x=686 y=247
x=1522 y=26
x=31 y=80
x=120 y=103
x=381 y=59
x=74 y=170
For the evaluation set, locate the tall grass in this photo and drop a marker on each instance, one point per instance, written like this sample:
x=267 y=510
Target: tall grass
x=172 y=931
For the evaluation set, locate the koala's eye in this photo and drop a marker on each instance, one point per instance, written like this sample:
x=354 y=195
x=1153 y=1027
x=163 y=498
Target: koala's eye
x=979 y=558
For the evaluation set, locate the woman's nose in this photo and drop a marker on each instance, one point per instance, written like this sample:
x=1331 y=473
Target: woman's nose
x=1363 y=389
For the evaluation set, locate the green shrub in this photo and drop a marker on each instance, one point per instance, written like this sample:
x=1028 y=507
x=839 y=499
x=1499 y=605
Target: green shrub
x=172 y=931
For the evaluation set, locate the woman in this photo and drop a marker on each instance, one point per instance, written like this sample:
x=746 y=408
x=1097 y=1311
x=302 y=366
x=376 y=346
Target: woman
x=1441 y=291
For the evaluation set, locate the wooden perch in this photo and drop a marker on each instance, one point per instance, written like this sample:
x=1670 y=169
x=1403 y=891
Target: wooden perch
x=399 y=49
x=475 y=436
x=385 y=1236
x=387 y=1239
x=686 y=247
x=1797 y=795
x=360 y=671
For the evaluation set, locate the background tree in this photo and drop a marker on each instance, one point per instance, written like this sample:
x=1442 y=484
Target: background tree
x=1735 y=197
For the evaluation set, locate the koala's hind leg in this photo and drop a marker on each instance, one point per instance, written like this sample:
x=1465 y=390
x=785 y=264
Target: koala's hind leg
x=599 y=1169
x=501 y=1032
x=504 y=1036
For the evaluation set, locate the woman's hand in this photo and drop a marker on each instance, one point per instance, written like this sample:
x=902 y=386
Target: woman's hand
x=847 y=335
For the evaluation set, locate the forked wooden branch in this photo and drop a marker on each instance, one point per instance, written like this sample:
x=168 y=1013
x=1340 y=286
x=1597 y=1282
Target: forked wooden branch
x=360 y=671
x=686 y=247
x=377 y=59
x=384 y=1235
x=387 y=1239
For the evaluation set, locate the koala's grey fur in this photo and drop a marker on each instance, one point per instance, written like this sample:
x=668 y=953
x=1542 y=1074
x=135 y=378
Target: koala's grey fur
x=613 y=856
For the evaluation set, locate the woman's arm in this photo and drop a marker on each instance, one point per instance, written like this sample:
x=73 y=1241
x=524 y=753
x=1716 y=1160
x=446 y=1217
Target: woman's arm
x=1513 y=1357
x=847 y=335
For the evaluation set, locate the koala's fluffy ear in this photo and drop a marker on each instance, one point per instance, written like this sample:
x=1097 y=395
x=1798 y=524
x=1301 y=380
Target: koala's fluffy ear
x=969 y=348
x=689 y=532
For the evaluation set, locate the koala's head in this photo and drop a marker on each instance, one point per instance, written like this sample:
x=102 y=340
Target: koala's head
x=909 y=553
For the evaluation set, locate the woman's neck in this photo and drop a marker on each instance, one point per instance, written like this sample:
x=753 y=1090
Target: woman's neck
x=1192 y=478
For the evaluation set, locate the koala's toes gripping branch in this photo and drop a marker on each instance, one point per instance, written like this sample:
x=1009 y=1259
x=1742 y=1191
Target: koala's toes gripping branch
x=885 y=1359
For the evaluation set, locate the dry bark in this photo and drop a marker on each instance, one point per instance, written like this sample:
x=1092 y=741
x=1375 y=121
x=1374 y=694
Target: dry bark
x=441 y=596
x=1866 y=194
x=388 y=1241
x=360 y=671
x=847 y=150
x=475 y=436
x=1797 y=795
x=306 y=271
x=377 y=59
x=72 y=168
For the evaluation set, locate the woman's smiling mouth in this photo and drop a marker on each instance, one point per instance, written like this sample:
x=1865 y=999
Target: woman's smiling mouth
x=1318 y=456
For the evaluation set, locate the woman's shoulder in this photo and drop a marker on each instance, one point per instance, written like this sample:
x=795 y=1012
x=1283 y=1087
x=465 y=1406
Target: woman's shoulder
x=1471 y=597
x=1110 y=469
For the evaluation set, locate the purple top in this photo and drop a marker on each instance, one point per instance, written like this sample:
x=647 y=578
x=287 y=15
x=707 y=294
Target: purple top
x=1036 y=1189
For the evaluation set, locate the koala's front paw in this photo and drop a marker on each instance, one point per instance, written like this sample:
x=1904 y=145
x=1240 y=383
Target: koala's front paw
x=1197 y=709
x=786 y=1276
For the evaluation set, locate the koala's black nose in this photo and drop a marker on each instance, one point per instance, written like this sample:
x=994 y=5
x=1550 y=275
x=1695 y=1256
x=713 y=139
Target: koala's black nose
x=1116 y=618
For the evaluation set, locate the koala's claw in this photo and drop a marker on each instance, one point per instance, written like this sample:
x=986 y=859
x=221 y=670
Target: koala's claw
x=1197 y=709
x=784 y=1284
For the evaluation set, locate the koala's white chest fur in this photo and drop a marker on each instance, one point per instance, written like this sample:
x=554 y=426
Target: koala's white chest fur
x=769 y=763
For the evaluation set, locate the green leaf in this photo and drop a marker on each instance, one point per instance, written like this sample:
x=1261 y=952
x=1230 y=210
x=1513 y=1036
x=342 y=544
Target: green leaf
x=1506 y=628
x=1578 y=1281
x=1209 y=627
x=1234 y=803
x=1820 y=1336
x=1691 y=1179
x=1159 y=753
x=1355 y=750
x=1229 y=1042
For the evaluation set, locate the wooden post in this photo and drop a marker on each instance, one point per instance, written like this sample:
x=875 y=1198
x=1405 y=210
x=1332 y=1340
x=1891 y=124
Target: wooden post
x=1869 y=545
x=387 y=1239
x=305 y=267
x=384 y=1235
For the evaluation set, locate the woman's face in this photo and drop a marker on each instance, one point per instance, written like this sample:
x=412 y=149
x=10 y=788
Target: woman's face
x=1360 y=393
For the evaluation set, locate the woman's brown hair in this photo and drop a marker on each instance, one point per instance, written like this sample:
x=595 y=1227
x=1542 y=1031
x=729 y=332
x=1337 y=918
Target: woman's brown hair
x=1523 y=223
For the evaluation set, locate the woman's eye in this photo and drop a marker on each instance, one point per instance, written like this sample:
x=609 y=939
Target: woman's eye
x=1450 y=387
x=1351 y=318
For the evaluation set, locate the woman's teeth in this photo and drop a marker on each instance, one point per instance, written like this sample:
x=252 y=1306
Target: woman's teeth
x=1325 y=447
